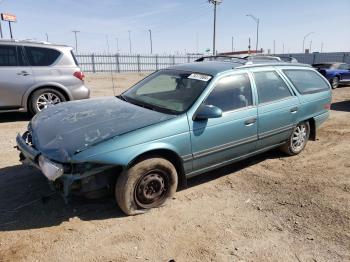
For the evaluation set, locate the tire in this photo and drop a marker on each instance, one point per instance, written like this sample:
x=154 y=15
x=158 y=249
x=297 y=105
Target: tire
x=296 y=143
x=334 y=82
x=46 y=95
x=145 y=185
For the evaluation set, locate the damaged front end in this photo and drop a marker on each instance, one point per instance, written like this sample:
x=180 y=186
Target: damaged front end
x=91 y=180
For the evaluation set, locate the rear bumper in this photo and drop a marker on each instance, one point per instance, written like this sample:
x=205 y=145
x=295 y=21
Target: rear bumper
x=81 y=92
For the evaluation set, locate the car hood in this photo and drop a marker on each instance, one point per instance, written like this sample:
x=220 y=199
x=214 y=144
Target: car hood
x=63 y=130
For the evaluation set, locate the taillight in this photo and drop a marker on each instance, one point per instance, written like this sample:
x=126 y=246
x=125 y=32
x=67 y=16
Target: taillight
x=327 y=106
x=80 y=75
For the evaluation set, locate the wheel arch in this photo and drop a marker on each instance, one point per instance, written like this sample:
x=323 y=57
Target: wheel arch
x=60 y=88
x=169 y=155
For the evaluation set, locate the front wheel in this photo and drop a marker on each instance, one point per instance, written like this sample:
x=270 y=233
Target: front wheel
x=147 y=184
x=297 y=140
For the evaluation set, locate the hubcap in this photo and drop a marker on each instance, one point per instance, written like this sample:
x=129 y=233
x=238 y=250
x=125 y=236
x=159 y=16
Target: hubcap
x=47 y=99
x=151 y=189
x=299 y=138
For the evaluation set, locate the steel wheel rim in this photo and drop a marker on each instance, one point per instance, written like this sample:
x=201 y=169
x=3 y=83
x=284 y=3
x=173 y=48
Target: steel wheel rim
x=151 y=189
x=46 y=100
x=299 y=137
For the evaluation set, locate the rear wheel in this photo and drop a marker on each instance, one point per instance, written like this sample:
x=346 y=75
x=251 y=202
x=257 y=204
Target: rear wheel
x=147 y=184
x=334 y=82
x=44 y=98
x=297 y=140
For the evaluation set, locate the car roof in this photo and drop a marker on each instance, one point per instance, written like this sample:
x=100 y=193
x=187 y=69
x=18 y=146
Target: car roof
x=215 y=67
x=29 y=42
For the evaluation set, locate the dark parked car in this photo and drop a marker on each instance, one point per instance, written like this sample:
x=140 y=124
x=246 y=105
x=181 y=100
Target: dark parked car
x=336 y=73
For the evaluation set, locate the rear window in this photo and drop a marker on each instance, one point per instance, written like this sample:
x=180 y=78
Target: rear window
x=8 y=55
x=306 y=81
x=39 y=56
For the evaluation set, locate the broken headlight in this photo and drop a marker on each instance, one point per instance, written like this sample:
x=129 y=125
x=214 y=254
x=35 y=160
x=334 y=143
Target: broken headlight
x=50 y=169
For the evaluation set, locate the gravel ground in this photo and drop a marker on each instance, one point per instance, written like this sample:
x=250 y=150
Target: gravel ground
x=266 y=208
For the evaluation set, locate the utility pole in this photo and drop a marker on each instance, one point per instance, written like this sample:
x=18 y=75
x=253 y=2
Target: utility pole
x=0 y=26
x=47 y=37
x=283 y=48
x=215 y=2
x=257 y=21
x=305 y=39
x=249 y=46
x=150 y=39
x=321 y=47
x=76 y=39
x=274 y=47
x=129 y=41
x=232 y=43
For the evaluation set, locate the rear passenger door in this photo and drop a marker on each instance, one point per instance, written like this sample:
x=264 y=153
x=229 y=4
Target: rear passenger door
x=277 y=108
x=15 y=77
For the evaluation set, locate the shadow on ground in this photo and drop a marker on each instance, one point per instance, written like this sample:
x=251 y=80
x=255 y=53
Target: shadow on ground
x=341 y=106
x=14 y=117
x=27 y=202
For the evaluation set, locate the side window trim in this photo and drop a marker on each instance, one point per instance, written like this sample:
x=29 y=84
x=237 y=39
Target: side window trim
x=214 y=84
x=291 y=91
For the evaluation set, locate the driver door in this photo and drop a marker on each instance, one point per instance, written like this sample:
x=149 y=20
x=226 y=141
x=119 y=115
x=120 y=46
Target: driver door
x=234 y=134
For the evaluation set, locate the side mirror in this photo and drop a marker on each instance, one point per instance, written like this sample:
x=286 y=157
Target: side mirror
x=207 y=111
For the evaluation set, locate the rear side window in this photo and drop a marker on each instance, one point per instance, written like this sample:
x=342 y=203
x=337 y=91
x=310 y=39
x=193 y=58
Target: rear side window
x=8 y=55
x=39 y=56
x=232 y=92
x=270 y=87
x=306 y=81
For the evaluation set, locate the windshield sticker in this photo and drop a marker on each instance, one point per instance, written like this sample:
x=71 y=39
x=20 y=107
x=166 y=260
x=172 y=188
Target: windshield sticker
x=200 y=77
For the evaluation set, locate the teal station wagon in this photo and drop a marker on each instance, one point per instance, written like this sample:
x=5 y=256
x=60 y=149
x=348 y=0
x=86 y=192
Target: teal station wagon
x=175 y=124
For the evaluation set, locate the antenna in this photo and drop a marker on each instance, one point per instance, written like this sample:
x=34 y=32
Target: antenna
x=111 y=69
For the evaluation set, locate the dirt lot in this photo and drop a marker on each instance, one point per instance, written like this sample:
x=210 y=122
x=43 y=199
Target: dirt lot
x=268 y=208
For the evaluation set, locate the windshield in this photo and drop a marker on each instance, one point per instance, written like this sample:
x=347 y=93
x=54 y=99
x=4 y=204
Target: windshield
x=168 y=91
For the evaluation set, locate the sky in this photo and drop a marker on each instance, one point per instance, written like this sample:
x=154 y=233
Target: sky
x=182 y=26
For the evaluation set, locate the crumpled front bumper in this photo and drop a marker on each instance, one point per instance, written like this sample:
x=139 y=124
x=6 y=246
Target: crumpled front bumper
x=59 y=179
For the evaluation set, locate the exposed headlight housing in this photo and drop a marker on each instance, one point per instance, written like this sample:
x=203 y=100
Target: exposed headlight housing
x=50 y=169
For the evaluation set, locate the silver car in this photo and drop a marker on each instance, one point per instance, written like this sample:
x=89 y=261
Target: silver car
x=34 y=76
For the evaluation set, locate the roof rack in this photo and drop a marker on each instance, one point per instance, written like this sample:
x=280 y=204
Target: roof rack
x=222 y=58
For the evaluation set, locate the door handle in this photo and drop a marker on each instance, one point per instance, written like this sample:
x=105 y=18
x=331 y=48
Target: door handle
x=23 y=73
x=294 y=109
x=250 y=121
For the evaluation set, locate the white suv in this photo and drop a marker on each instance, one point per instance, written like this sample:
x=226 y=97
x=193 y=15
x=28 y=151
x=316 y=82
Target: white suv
x=36 y=75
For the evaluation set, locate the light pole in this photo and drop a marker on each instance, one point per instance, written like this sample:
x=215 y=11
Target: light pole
x=321 y=47
x=117 y=40
x=310 y=46
x=215 y=2
x=305 y=39
x=76 y=39
x=150 y=39
x=274 y=47
x=47 y=37
x=232 y=43
x=129 y=41
x=257 y=21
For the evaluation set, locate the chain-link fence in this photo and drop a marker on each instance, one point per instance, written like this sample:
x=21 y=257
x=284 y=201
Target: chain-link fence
x=95 y=62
